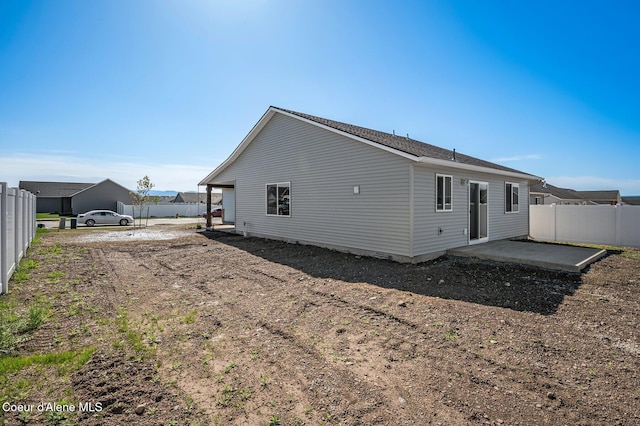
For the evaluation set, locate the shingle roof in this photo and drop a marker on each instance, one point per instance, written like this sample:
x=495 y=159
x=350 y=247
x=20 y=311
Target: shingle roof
x=54 y=189
x=401 y=143
x=632 y=200
x=562 y=193
x=601 y=197
x=194 y=197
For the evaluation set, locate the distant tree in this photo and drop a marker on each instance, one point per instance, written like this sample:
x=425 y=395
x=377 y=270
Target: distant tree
x=141 y=198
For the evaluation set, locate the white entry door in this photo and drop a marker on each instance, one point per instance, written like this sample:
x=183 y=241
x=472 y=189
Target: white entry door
x=229 y=204
x=478 y=212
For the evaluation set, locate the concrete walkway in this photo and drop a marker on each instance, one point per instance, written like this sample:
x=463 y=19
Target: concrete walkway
x=551 y=256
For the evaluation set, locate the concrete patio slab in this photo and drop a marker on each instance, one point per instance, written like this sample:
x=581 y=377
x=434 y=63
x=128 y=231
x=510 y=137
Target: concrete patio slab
x=551 y=256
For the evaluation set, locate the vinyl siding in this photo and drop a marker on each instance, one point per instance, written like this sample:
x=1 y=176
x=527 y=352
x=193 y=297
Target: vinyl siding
x=428 y=222
x=323 y=167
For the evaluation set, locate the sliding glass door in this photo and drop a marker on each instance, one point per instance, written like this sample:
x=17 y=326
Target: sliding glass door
x=478 y=212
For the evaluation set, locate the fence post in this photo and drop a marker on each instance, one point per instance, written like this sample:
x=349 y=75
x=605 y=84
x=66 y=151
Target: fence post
x=4 y=285
x=17 y=221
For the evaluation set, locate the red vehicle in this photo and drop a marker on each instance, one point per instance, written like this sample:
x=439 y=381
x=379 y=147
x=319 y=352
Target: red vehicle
x=214 y=213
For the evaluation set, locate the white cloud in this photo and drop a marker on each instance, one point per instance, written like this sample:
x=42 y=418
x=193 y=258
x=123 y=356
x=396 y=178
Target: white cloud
x=586 y=183
x=517 y=158
x=60 y=167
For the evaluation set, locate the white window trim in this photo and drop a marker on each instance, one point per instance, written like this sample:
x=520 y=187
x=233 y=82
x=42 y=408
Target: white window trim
x=513 y=185
x=444 y=209
x=266 y=195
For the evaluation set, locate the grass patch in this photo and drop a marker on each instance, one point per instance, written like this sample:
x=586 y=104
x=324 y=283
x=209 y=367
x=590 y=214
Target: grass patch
x=65 y=361
x=54 y=250
x=38 y=314
x=15 y=325
x=23 y=272
x=625 y=251
x=452 y=335
x=190 y=318
x=54 y=277
x=135 y=338
x=631 y=254
x=17 y=386
x=47 y=216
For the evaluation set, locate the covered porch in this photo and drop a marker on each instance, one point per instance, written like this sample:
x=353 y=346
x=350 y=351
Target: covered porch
x=228 y=204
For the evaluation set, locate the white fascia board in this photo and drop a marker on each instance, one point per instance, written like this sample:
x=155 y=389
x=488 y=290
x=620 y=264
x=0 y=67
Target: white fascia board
x=240 y=148
x=470 y=167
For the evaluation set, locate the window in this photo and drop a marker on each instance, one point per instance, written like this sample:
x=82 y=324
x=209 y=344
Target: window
x=511 y=197
x=278 y=199
x=444 y=189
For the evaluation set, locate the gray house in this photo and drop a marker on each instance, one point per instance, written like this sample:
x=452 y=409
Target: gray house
x=74 y=198
x=306 y=179
x=545 y=193
x=194 y=197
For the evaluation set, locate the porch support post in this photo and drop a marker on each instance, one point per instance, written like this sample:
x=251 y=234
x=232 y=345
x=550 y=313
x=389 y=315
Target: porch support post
x=208 y=226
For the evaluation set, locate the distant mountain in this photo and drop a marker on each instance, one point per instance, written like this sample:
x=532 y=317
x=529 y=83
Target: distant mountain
x=156 y=193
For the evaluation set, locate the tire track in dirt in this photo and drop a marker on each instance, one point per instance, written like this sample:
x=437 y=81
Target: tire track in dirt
x=332 y=390
x=445 y=370
x=351 y=395
x=278 y=307
x=340 y=307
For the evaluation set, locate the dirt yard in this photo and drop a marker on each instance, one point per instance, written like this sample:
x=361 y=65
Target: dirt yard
x=219 y=329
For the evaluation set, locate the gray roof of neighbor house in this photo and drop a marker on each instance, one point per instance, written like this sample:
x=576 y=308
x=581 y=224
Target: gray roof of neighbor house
x=195 y=197
x=601 y=197
x=403 y=143
x=562 y=193
x=598 y=197
x=633 y=200
x=54 y=189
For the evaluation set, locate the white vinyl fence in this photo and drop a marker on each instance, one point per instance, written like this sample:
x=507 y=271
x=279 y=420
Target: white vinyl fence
x=603 y=224
x=165 y=210
x=17 y=229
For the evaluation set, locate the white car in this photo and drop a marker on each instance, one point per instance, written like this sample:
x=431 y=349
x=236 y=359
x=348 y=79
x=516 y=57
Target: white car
x=104 y=217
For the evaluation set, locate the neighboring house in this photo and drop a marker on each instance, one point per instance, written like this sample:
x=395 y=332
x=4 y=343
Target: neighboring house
x=545 y=193
x=74 y=198
x=306 y=179
x=162 y=199
x=195 y=197
x=611 y=197
x=631 y=200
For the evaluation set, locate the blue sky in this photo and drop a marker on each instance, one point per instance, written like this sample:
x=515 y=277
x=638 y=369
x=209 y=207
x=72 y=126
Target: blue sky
x=121 y=89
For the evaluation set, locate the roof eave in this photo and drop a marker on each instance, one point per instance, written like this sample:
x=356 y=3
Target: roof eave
x=265 y=119
x=425 y=160
x=240 y=148
x=471 y=167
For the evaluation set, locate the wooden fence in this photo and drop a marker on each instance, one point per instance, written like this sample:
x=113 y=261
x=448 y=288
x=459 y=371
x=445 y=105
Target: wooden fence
x=602 y=224
x=17 y=229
